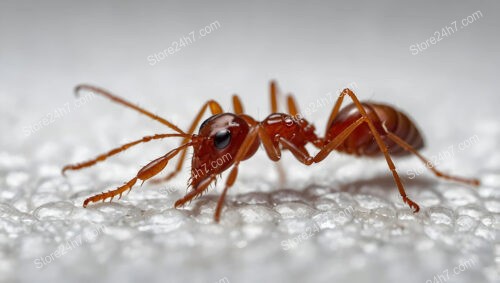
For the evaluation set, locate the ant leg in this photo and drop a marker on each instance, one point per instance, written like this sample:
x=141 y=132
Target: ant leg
x=148 y=171
x=281 y=174
x=215 y=108
x=127 y=104
x=274 y=152
x=409 y=148
x=231 y=179
x=335 y=110
x=338 y=140
x=195 y=192
x=273 y=94
x=292 y=106
x=237 y=105
x=117 y=150
x=380 y=143
x=293 y=111
x=299 y=152
x=245 y=146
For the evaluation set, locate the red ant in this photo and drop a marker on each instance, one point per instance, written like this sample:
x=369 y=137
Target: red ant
x=362 y=129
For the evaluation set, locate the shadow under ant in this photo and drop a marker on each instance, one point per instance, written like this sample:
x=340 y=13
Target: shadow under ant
x=382 y=186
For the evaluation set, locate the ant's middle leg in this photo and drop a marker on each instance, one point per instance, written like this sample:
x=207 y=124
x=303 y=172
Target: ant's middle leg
x=294 y=112
x=274 y=151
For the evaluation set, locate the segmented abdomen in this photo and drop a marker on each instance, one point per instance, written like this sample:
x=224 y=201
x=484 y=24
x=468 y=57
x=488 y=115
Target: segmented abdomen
x=361 y=141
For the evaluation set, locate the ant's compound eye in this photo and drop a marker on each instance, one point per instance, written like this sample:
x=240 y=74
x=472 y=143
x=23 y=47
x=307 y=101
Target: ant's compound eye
x=222 y=139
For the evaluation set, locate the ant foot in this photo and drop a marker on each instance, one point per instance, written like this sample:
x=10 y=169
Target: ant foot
x=413 y=205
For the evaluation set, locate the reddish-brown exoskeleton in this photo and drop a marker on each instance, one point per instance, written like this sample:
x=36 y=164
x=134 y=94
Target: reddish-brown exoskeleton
x=363 y=129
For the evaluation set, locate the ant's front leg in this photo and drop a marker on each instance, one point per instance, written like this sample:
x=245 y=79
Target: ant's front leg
x=242 y=152
x=196 y=191
x=147 y=172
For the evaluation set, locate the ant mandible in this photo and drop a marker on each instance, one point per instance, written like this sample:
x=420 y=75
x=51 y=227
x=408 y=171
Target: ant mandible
x=361 y=129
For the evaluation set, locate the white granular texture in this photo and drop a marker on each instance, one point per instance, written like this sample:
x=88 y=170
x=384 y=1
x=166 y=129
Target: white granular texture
x=340 y=222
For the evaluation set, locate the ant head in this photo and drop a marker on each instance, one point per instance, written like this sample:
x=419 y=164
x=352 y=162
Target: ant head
x=217 y=144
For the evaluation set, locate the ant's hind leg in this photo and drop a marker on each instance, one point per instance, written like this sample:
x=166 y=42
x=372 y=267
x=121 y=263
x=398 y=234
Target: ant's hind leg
x=409 y=148
x=378 y=139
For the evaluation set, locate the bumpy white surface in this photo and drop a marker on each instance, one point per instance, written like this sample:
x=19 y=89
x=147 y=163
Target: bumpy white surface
x=338 y=221
x=332 y=225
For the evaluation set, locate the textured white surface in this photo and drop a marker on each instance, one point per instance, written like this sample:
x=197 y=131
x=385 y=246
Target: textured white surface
x=346 y=232
x=339 y=221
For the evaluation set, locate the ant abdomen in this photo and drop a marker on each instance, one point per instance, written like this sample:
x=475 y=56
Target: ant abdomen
x=361 y=141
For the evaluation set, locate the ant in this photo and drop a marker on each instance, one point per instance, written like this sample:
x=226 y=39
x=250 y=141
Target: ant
x=361 y=128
